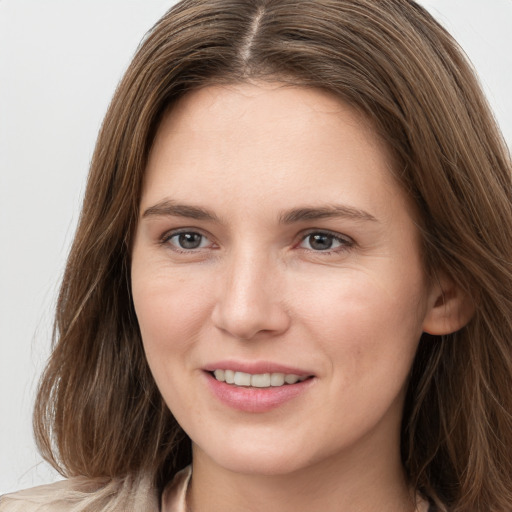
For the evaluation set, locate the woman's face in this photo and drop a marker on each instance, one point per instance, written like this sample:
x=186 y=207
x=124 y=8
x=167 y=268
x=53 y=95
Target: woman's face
x=274 y=244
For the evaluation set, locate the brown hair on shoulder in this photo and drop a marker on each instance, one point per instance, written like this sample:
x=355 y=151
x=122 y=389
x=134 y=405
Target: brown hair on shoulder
x=98 y=411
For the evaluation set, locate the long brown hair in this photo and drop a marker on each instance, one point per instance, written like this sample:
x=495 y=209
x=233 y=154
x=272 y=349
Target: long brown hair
x=98 y=411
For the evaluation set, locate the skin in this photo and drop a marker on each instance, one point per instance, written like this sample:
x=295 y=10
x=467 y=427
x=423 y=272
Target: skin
x=258 y=289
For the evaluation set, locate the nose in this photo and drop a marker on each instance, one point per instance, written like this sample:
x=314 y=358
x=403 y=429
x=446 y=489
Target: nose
x=250 y=302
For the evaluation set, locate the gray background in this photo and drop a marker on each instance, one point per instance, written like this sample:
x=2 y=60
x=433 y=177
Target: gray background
x=59 y=64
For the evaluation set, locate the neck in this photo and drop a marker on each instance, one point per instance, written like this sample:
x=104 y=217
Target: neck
x=341 y=483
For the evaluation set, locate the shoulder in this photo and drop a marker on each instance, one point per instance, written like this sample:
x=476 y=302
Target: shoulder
x=80 y=494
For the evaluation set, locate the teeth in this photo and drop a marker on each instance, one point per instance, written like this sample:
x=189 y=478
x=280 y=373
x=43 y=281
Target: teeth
x=229 y=376
x=242 y=379
x=260 y=380
x=277 y=379
x=291 y=379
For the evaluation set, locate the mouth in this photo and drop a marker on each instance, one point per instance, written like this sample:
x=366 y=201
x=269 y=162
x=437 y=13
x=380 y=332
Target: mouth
x=262 y=387
x=257 y=380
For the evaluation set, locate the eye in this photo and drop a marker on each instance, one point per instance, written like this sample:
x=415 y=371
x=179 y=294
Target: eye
x=324 y=241
x=187 y=240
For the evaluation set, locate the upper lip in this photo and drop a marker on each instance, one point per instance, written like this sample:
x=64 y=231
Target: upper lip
x=256 y=367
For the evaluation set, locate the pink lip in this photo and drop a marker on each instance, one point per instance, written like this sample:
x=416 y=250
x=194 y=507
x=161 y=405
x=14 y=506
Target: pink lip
x=255 y=400
x=257 y=367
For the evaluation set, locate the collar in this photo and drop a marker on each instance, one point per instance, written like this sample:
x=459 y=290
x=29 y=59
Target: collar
x=174 y=495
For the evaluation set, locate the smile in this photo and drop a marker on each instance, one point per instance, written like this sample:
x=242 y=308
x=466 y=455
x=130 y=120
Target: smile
x=258 y=380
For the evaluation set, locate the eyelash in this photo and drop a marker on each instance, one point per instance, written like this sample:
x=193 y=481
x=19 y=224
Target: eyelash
x=345 y=242
x=167 y=237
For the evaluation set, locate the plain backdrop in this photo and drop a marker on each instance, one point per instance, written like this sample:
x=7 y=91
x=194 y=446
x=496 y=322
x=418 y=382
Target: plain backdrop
x=60 y=61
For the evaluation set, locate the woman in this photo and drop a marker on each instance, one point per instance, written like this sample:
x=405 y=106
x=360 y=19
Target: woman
x=292 y=271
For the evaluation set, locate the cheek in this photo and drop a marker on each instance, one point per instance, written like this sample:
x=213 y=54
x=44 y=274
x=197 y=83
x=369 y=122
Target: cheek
x=171 y=310
x=366 y=323
x=171 y=314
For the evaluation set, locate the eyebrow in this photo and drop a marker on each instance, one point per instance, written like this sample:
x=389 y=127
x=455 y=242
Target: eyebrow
x=325 y=212
x=171 y=208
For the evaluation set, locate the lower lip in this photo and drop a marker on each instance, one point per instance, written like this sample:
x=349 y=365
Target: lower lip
x=250 y=399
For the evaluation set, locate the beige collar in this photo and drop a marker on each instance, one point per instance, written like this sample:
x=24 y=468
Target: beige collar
x=174 y=495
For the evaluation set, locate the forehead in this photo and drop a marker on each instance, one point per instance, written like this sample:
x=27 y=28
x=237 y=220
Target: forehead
x=267 y=141
x=291 y=110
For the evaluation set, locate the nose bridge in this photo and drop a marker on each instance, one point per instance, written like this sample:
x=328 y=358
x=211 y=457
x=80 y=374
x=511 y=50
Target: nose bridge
x=249 y=300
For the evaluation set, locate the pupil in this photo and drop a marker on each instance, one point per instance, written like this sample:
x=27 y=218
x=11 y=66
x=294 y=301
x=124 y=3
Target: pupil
x=321 y=242
x=189 y=240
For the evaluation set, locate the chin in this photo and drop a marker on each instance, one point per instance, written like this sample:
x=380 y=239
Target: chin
x=251 y=458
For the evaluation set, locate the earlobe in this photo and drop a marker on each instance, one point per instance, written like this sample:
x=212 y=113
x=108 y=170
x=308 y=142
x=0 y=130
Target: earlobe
x=450 y=308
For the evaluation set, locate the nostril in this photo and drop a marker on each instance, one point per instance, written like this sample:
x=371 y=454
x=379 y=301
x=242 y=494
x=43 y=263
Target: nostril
x=248 y=321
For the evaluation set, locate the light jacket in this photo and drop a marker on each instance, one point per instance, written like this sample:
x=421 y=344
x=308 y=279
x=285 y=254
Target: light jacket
x=80 y=494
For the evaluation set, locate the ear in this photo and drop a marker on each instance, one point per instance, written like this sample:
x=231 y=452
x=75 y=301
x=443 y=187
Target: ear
x=450 y=308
